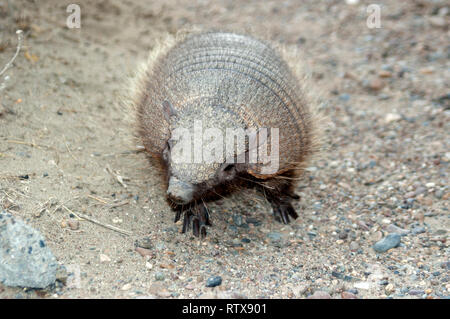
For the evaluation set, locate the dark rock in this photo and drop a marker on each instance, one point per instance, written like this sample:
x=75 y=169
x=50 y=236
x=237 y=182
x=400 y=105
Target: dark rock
x=388 y=242
x=25 y=259
x=214 y=281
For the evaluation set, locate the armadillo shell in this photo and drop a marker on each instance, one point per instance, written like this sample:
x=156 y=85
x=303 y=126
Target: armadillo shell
x=239 y=72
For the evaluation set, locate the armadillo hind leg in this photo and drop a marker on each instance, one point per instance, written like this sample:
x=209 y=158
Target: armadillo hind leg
x=196 y=216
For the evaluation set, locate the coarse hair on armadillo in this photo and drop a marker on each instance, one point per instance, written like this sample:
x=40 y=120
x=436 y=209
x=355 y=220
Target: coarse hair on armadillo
x=303 y=94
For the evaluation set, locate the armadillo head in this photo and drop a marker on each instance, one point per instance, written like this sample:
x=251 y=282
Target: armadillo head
x=196 y=150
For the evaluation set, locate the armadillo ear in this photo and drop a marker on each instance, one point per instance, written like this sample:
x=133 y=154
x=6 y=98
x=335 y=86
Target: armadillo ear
x=168 y=110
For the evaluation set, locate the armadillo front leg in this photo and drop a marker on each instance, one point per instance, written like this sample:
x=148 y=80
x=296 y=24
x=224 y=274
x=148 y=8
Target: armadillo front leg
x=282 y=207
x=196 y=216
x=279 y=193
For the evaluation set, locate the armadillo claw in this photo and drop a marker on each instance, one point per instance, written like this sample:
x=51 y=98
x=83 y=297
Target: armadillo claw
x=282 y=211
x=198 y=217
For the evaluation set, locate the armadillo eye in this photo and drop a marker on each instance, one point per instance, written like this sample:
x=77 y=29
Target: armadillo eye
x=228 y=171
x=169 y=144
x=228 y=168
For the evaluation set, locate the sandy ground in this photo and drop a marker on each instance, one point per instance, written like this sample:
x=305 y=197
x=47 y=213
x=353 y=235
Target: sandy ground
x=65 y=147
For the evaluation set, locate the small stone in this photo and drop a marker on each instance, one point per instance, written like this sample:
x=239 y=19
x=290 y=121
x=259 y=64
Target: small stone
x=430 y=185
x=104 y=258
x=376 y=84
x=439 y=194
x=418 y=230
x=214 y=281
x=159 y=276
x=348 y=295
x=428 y=70
x=157 y=289
x=126 y=287
x=389 y=288
x=392 y=117
x=73 y=224
x=62 y=274
x=388 y=242
x=319 y=295
x=275 y=237
x=344 y=97
x=238 y=220
x=117 y=220
x=343 y=235
x=144 y=252
x=363 y=285
x=354 y=246
x=144 y=242
x=445 y=264
x=410 y=195
x=384 y=74
x=253 y=221
x=397 y=230
x=438 y=22
x=415 y=292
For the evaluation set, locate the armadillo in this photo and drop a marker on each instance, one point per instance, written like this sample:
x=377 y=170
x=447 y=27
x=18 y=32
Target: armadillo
x=205 y=87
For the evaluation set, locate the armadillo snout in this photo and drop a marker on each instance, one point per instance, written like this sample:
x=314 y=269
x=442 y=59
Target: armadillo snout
x=179 y=192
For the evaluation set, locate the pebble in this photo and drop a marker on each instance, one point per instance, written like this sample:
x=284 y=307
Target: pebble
x=319 y=295
x=25 y=259
x=418 y=230
x=214 y=281
x=389 y=288
x=348 y=295
x=354 y=246
x=397 y=230
x=388 y=242
x=126 y=287
x=384 y=74
x=365 y=285
x=352 y=2
x=445 y=265
x=438 y=22
x=144 y=242
x=343 y=235
x=253 y=221
x=104 y=258
x=73 y=224
x=159 y=276
x=275 y=237
x=238 y=220
x=376 y=84
x=414 y=292
x=392 y=117
x=143 y=251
